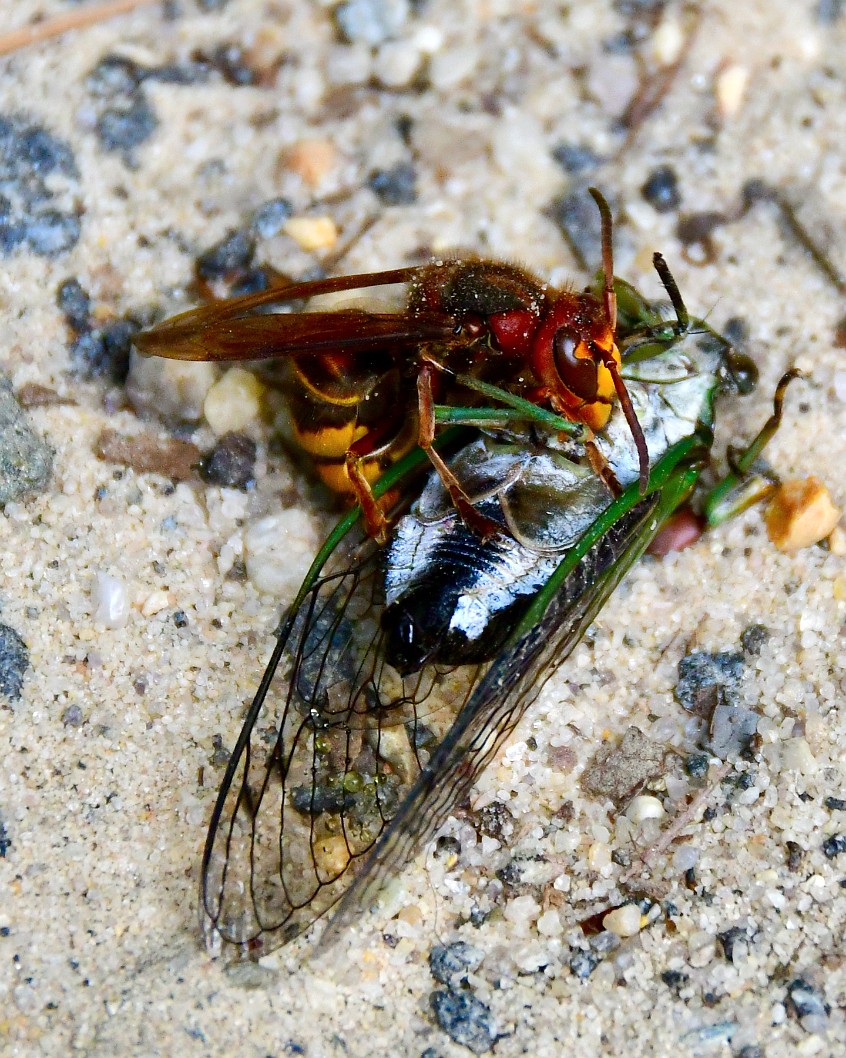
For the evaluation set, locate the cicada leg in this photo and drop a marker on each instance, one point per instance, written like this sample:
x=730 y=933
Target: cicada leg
x=742 y=486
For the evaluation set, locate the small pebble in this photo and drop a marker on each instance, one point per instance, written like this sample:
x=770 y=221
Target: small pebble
x=371 y=21
x=613 y=80
x=730 y=940
x=74 y=304
x=121 y=128
x=702 y=947
x=675 y=980
x=618 y=769
x=270 y=217
x=312 y=233
x=800 y=514
x=148 y=454
x=230 y=463
x=575 y=158
x=396 y=186
x=730 y=89
x=806 y=1004
x=834 y=846
x=465 y=1019
x=397 y=62
x=685 y=858
x=51 y=233
x=450 y=961
x=447 y=849
x=795 y=855
x=661 y=189
x=576 y=215
x=72 y=716
x=231 y=255
x=277 y=551
x=753 y=638
x=829 y=11
x=645 y=807
x=156 y=602
x=104 y=352
x=174 y=390
x=25 y=459
x=706 y=678
x=311 y=160
x=35 y=168
x=708 y=1035
x=495 y=821
x=114 y=75
x=696 y=765
x=549 y=923
x=14 y=661
x=599 y=855
x=835 y=804
x=837 y=541
x=731 y=730
x=583 y=963
x=625 y=921
x=232 y=64
x=234 y=401
x=251 y=976
x=668 y=40
x=111 y=601
x=796 y=755
x=604 y=943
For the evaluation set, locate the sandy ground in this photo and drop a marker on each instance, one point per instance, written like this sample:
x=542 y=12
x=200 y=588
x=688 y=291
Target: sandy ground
x=108 y=768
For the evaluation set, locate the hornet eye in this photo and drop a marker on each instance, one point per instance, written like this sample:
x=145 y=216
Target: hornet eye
x=578 y=373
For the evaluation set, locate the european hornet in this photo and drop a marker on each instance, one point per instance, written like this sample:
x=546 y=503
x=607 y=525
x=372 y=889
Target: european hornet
x=366 y=383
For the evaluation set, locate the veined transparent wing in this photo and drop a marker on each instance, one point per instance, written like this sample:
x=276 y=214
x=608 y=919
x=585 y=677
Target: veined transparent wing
x=331 y=744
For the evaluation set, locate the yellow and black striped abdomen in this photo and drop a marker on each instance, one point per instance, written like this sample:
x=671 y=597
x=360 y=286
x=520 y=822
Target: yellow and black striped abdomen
x=339 y=405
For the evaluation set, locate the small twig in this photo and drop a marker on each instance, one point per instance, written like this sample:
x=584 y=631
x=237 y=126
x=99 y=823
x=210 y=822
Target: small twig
x=668 y=836
x=760 y=191
x=653 y=90
x=54 y=27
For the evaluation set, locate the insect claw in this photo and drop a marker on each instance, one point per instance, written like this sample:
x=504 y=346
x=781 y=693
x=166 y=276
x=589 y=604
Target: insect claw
x=375 y=522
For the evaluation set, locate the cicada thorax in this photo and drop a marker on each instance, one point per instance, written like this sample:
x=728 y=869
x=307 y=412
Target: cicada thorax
x=339 y=405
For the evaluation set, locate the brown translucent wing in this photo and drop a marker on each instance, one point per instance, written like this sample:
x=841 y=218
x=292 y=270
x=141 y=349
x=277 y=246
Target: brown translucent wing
x=332 y=743
x=497 y=704
x=246 y=328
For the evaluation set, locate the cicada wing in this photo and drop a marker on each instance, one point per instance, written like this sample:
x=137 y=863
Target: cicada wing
x=333 y=740
x=510 y=685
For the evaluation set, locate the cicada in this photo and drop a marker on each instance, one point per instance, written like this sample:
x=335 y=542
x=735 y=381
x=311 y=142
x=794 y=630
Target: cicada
x=565 y=428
